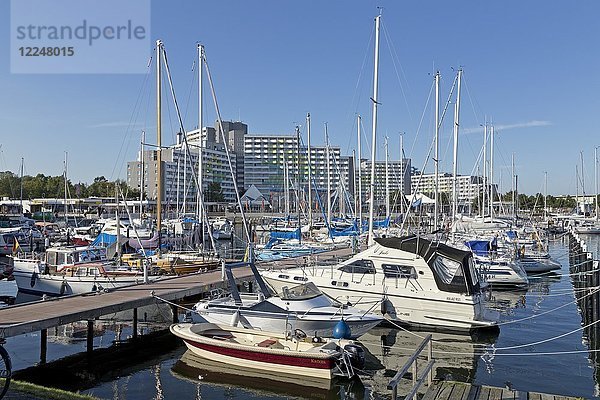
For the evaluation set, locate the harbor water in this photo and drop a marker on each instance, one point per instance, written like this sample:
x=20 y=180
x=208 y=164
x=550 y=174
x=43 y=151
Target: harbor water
x=541 y=347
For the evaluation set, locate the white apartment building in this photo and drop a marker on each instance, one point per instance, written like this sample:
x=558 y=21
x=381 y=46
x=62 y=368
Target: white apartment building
x=266 y=155
x=180 y=169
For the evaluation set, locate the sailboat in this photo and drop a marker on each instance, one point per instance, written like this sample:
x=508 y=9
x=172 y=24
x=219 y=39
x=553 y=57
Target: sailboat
x=412 y=280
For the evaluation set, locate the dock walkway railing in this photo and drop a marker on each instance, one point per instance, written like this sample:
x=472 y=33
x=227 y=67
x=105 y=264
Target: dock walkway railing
x=417 y=380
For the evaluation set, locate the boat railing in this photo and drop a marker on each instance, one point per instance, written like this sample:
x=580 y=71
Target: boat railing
x=416 y=379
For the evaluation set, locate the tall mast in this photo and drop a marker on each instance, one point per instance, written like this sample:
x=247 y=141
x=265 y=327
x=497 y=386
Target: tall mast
x=582 y=181
x=514 y=178
x=374 y=130
x=200 y=49
x=355 y=187
x=298 y=181
x=387 y=180
x=159 y=171
x=455 y=152
x=21 y=181
x=545 y=196
x=65 y=188
x=491 y=172
x=484 y=202
x=359 y=206
x=327 y=163
x=309 y=172
x=596 y=178
x=402 y=195
x=437 y=149
x=142 y=173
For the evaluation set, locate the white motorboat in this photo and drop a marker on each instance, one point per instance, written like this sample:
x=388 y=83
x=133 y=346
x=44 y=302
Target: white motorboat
x=499 y=270
x=72 y=270
x=302 y=307
x=413 y=280
x=254 y=349
x=222 y=229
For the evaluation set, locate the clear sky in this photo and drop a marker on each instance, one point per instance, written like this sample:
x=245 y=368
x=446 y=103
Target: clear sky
x=529 y=66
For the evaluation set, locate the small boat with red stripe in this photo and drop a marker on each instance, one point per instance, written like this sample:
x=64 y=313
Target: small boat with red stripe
x=289 y=354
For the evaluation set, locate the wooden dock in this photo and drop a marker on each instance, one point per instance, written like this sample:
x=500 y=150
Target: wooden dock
x=447 y=390
x=44 y=314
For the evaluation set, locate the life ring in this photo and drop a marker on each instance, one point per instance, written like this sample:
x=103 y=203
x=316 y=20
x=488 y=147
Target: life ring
x=34 y=278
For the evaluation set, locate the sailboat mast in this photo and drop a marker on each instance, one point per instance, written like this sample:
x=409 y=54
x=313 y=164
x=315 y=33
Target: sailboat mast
x=159 y=171
x=402 y=194
x=387 y=180
x=455 y=152
x=142 y=173
x=200 y=122
x=359 y=206
x=491 y=173
x=65 y=188
x=298 y=181
x=484 y=202
x=21 y=182
x=309 y=173
x=545 y=196
x=437 y=150
x=596 y=178
x=374 y=130
x=327 y=156
x=514 y=178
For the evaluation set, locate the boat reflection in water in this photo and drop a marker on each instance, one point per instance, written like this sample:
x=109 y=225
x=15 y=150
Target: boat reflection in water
x=456 y=356
x=204 y=372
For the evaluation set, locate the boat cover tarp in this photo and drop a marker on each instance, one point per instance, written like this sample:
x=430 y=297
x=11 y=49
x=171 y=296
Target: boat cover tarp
x=461 y=282
x=151 y=243
x=479 y=247
x=104 y=240
x=349 y=231
x=382 y=223
x=285 y=235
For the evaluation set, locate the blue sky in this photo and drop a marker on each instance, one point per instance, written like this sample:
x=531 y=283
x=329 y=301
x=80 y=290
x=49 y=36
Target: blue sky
x=531 y=67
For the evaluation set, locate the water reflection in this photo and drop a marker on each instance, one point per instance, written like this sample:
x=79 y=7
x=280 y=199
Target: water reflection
x=456 y=356
x=203 y=372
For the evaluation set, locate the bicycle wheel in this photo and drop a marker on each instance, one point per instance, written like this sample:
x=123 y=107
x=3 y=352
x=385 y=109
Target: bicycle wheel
x=5 y=371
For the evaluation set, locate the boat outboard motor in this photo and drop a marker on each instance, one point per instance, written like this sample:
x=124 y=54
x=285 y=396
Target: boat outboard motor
x=356 y=354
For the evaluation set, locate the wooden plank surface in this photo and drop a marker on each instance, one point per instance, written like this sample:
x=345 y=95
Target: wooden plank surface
x=32 y=317
x=448 y=390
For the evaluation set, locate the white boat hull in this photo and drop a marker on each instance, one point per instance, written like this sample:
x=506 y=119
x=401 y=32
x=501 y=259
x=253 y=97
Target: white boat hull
x=30 y=280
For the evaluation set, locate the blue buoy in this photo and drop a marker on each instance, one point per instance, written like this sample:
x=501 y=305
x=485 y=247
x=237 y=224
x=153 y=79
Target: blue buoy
x=341 y=330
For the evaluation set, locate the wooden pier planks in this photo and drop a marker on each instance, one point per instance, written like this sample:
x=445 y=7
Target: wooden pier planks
x=32 y=317
x=446 y=390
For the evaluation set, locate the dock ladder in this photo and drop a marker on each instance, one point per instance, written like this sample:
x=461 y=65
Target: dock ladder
x=417 y=380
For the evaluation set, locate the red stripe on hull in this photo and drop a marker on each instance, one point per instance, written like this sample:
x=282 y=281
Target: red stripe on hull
x=271 y=358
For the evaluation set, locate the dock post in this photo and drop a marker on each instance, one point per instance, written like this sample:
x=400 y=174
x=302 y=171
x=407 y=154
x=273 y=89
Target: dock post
x=135 y=323
x=90 y=337
x=175 y=314
x=43 y=346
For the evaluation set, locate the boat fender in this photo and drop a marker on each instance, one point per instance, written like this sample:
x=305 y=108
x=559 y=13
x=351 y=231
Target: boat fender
x=341 y=330
x=34 y=277
x=356 y=354
x=63 y=287
x=384 y=306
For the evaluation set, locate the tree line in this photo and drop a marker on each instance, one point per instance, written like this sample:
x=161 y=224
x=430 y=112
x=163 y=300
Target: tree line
x=42 y=186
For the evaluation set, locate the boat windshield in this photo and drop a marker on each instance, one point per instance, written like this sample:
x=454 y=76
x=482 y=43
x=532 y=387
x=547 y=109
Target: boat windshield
x=300 y=292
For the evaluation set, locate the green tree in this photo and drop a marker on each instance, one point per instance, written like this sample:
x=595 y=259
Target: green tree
x=214 y=192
